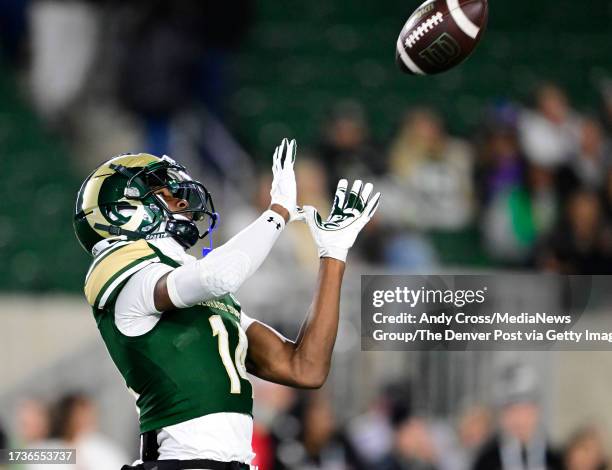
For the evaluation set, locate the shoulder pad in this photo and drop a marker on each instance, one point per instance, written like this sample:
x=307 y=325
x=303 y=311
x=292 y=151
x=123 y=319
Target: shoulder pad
x=113 y=267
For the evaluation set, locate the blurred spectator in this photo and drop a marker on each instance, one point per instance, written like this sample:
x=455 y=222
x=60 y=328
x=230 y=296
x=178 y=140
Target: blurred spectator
x=3 y=443
x=33 y=422
x=64 y=40
x=545 y=205
x=13 y=28
x=501 y=164
x=408 y=250
x=550 y=133
x=607 y=195
x=373 y=242
x=320 y=444
x=520 y=442
x=75 y=425
x=587 y=168
x=585 y=451
x=501 y=177
x=474 y=430
x=3 y=438
x=263 y=447
x=276 y=429
x=224 y=28
x=174 y=57
x=434 y=173
x=519 y=215
x=606 y=104
x=346 y=149
x=371 y=434
x=413 y=447
x=319 y=434
x=582 y=242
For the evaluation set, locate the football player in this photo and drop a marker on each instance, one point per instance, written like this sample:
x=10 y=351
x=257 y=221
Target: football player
x=170 y=321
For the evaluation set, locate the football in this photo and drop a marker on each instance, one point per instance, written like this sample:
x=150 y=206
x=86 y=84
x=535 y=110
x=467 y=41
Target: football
x=440 y=34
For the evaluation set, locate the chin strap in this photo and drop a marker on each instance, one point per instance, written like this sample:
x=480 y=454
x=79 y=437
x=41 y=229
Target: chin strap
x=131 y=235
x=118 y=231
x=212 y=225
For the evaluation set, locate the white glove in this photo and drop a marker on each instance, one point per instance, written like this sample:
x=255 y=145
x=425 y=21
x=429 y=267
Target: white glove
x=348 y=216
x=284 y=190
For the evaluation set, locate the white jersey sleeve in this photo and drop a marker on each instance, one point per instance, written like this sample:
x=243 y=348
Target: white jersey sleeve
x=135 y=311
x=245 y=321
x=225 y=269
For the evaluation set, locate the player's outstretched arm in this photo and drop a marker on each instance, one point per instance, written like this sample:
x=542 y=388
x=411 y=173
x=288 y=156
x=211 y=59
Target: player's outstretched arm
x=305 y=363
x=227 y=267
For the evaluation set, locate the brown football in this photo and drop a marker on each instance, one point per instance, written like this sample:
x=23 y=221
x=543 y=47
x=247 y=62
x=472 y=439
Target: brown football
x=440 y=34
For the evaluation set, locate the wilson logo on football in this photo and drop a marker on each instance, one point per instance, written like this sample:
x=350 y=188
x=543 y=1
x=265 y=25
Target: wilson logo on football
x=441 y=51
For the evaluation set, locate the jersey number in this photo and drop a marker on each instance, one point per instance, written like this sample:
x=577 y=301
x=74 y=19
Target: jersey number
x=235 y=368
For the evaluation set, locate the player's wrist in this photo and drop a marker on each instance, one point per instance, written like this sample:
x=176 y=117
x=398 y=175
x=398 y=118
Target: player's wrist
x=275 y=216
x=280 y=210
x=332 y=265
x=337 y=253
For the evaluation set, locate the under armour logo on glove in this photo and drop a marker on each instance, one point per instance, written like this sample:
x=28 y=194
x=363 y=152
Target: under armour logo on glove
x=271 y=219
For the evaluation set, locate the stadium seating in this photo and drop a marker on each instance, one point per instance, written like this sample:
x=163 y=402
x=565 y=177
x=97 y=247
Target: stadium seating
x=37 y=245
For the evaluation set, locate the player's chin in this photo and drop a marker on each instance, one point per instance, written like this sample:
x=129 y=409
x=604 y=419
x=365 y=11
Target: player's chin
x=184 y=216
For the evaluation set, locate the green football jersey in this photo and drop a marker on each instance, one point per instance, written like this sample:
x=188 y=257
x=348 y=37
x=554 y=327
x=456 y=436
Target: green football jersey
x=190 y=364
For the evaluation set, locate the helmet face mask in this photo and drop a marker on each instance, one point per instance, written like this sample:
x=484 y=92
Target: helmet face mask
x=123 y=198
x=180 y=185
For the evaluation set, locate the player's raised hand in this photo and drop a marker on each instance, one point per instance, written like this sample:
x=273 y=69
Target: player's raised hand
x=350 y=212
x=284 y=190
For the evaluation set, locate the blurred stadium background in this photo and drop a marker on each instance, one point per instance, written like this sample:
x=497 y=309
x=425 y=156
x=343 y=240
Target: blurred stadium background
x=502 y=164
